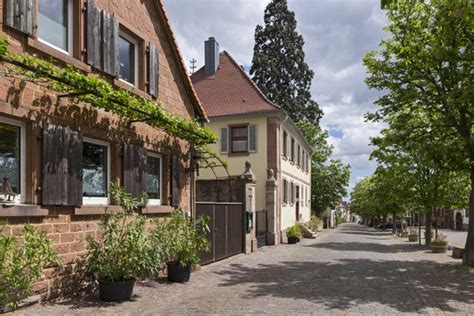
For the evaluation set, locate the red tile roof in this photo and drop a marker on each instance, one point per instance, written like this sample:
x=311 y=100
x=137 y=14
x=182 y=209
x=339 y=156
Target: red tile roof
x=230 y=90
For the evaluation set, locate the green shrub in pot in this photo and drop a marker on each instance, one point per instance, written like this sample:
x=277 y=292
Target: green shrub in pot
x=293 y=233
x=23 y=263
x=182 y=241
x=124 y=250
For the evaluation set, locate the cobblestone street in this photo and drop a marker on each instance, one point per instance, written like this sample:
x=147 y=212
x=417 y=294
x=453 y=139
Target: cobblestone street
x=348 y=271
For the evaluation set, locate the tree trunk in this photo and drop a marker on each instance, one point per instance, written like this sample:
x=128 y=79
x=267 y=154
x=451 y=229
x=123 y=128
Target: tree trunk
x=469 y=248
x=394 y=228
x=428 y=230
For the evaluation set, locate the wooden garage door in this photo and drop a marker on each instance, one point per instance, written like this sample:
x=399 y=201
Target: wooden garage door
x=226 y=229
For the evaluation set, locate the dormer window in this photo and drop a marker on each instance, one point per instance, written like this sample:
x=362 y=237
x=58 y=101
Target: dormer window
x=128 y=59
x=55 y=24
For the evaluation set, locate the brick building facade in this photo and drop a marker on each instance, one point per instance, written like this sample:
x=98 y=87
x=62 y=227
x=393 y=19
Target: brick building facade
x=46 y=138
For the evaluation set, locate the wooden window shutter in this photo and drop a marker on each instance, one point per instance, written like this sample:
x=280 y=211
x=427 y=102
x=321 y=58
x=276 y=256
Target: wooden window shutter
x=252 y=138
x=73 y=187
x=134 y=173
x=175 y=182
x=110 y=64
x=224 y=140
x=153 y=70
x=62 y=166
x=20 y=15
x=94 y=35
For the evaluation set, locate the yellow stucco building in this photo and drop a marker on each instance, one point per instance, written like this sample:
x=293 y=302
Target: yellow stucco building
x=252 y=128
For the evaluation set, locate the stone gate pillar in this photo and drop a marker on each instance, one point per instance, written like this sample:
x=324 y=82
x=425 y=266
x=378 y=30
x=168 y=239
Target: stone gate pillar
x=272 y=208
x=250 y=206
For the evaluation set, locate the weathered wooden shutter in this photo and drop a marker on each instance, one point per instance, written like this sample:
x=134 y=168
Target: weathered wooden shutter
x=73 y=186
x=252 y=138
x=20 y=15
x=224 y=140
x=109 y=44
x=134 y=173
x=62 y=166
x=94 y=35
x=153 y=70
x=176 y=185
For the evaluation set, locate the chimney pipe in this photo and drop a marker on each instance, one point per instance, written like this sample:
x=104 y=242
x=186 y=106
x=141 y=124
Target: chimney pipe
x=211 y=53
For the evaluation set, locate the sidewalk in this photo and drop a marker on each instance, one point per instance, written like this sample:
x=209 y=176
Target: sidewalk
x=454 y=237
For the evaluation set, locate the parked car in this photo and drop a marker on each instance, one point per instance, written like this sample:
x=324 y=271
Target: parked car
x=398 y=225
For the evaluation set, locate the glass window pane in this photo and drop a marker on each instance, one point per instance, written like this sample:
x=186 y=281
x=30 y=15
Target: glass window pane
x=94 y=166
x=127 y=60
x=153 y=177
x=239 y=132
x=239 y=145
x=53 y=22
x=10 y=158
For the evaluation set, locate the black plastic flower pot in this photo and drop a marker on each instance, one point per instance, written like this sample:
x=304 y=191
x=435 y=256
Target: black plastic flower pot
x=293 y=240
x=116 y=291
x=178 y=273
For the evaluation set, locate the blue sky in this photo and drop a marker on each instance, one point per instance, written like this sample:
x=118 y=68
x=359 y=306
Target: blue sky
x=337 y=34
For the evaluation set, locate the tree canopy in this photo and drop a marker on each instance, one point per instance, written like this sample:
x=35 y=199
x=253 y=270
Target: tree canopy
x=425 y=71
x=329 y=177
x=278 y=66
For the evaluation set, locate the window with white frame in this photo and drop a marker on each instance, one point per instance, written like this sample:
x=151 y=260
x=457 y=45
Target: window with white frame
x=153 y=178
x=55 y=24
x=96 y=175
x=12 y=161
x=128 y=59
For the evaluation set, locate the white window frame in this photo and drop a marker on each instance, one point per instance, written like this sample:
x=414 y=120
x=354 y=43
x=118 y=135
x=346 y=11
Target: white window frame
x=89 y=200
x=155 y=202
x=135 y=43
x=70 y=32
x=19 y=198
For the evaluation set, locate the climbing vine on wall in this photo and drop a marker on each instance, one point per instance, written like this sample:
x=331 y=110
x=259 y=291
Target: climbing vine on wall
x=97 y=92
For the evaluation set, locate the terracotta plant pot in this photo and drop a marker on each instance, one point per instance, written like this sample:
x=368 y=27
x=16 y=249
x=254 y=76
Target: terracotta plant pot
x=178 y=273
x=116 y=291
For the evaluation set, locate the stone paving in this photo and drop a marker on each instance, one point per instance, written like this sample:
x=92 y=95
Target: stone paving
x=351 y=270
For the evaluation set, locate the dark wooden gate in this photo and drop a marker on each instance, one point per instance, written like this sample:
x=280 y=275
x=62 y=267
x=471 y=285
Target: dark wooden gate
x=261 y=232
x=226 y=229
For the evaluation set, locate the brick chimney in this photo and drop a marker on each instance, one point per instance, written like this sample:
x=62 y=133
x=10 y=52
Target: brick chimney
x=211 y=53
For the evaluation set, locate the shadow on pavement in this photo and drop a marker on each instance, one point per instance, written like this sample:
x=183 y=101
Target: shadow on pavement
x=402 y=285
x=368 y=247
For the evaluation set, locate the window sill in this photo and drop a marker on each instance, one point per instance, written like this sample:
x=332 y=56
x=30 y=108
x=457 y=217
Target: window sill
x=123 y=85
x=67 y=59
x=158 y=209
x=96 y=209
x=241 y=154
x=22 y=210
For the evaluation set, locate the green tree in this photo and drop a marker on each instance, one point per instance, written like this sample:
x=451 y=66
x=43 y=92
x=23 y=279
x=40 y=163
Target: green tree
x=426 y=69
x=329 y=177
x=427 y=165
x=278 y=66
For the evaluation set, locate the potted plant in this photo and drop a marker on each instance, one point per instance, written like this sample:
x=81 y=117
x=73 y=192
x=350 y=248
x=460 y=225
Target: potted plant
x=293 y=233
x=315 y=223
x=413 y=235
x=22 y=263
x=124 y=251
x=440 y=244
x=182 y=241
